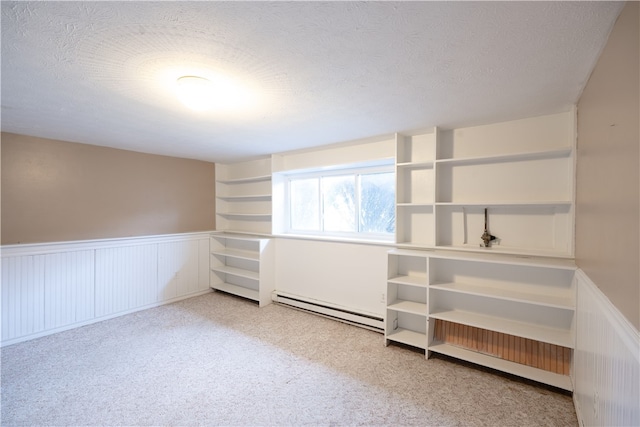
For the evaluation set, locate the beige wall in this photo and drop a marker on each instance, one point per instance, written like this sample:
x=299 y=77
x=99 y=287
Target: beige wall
x=61 y=191
x=608 y=190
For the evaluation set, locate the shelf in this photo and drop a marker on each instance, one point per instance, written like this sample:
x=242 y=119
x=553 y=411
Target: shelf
x=414 y=245
x=532 y=155
x=415 y=205
x=240 y=235
x=237 y=235
x=507 y=250
x=409 y=307
x=416 y=165
x=549 y=335
x=508 y=203
x=236 y=272
x=409 y=253
x=556 y=380
x=247 y=198
x=233 y=253
x=245 y=180
x=508 y=259
x=558 y=300
x=248 y=215
x=409 y=280
x=238 y=290
x=406 y=336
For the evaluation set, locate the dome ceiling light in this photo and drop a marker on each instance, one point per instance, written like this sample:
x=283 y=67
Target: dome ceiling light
x=196 y=92
x=215 y=92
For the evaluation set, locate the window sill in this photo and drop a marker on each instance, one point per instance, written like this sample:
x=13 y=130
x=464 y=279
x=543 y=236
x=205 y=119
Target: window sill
x=335 y=239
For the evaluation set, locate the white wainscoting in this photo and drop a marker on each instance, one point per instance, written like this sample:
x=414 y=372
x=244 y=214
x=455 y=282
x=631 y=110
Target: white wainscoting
x=50 y=287
x=606 y=361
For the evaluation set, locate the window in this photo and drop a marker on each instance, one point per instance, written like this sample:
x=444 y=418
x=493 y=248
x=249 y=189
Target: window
x=354 y=202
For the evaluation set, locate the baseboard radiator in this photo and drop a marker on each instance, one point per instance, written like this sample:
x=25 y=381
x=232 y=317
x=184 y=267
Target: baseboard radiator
x=341 y=314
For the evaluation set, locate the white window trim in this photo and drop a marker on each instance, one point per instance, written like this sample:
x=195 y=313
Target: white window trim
x=386 y=166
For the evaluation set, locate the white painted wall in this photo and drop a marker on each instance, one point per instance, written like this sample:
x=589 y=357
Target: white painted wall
x=346 y=275
x=350 y=276
x=608 y=169
x=364 y=150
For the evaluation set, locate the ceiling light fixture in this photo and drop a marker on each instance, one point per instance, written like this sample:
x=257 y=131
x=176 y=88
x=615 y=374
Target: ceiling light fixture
x=196 y=92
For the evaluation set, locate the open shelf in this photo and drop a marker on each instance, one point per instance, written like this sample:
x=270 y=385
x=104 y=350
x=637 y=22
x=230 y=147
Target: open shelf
x=508 y=203
x=536 y=332
x=414 y=205
x=546 y=297
x=511 y=157
x=540 y=375
x=409 y=280
x=407 y=290
x=240 y=254
x=244 y=196
x=406 y=336
x=414 y=165
x=242 y=264
x=238 y=235
x=238 y=290
x=505 y=250
x=525 y=228
x=408 y=307
x=247 y=215
x=253 y=275
x=416 y=150
x=505 y=259
x=248 y=197
x=415 y=224
x=527 y=181
x=246 y=180
x=414 y=185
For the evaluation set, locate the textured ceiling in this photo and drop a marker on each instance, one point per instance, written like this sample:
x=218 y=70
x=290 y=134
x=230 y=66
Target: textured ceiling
x=321 y=72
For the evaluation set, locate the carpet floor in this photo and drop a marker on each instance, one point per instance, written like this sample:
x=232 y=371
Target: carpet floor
x=217 y=360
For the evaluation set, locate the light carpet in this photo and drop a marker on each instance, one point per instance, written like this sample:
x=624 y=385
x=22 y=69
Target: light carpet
x=217 y=360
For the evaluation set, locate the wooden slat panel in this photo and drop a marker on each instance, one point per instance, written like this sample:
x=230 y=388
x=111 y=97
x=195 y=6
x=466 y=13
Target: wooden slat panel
x=537 y=354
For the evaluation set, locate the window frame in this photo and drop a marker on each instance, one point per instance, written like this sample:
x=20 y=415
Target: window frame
x=356 y=171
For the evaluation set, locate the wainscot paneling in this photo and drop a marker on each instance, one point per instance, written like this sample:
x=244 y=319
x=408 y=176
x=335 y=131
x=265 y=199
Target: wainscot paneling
x=22 y=296
x=69 y=293
x=51 y=287
x=125 y=278
x=606 y=361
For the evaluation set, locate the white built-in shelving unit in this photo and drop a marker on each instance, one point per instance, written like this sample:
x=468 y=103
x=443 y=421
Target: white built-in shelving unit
x=242 y=264
x=243 y=197
x=522 y=172
x=443 y=280
x=242 y=254
x=510 y=306
x=406 y=313
x=415 y=189
x=531 y=298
